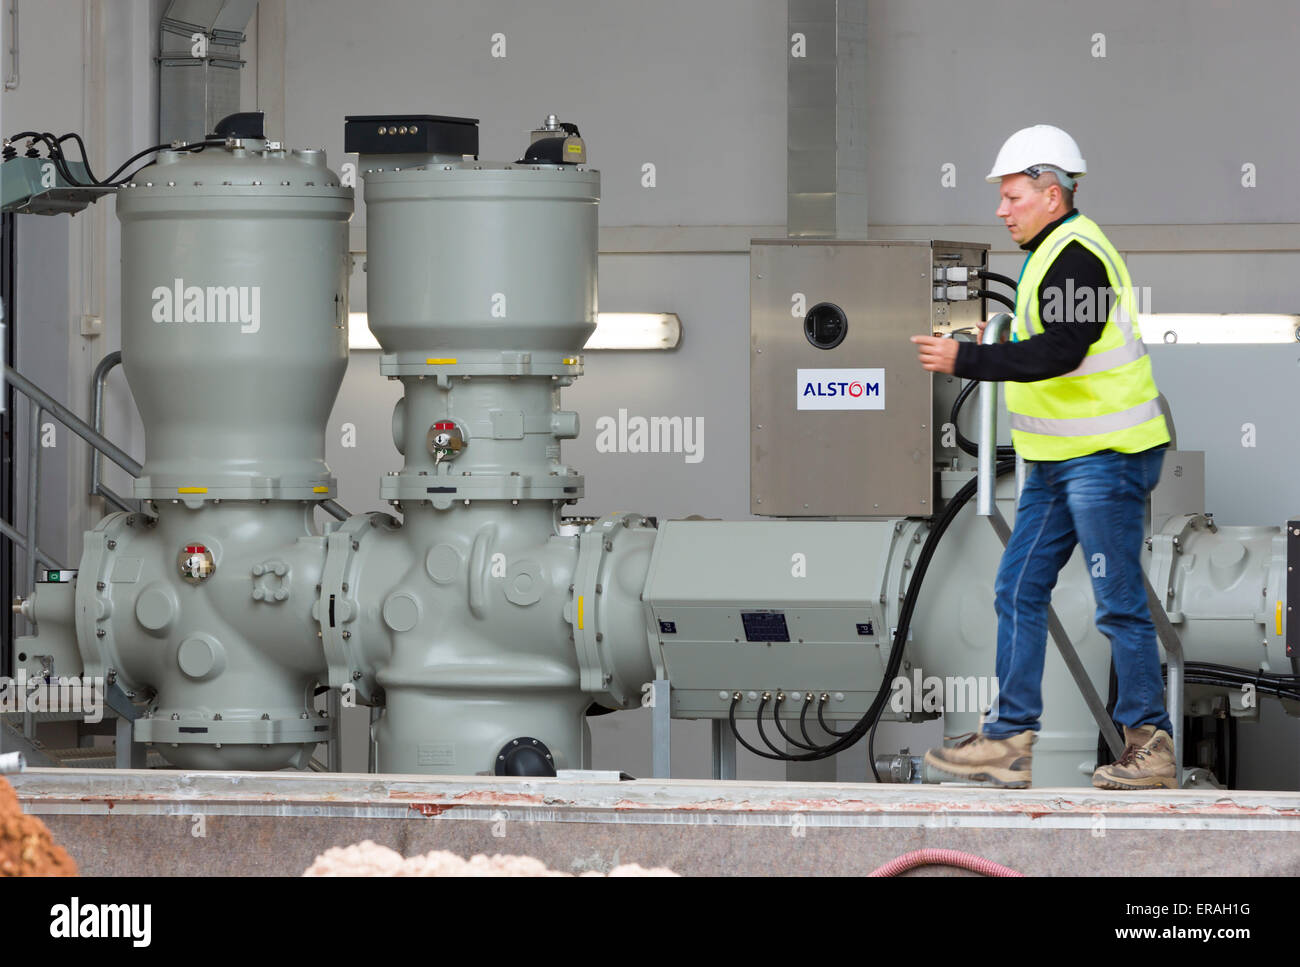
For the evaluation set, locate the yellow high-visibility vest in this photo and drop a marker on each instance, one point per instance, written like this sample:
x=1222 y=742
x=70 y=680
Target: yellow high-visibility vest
x=1110 y=401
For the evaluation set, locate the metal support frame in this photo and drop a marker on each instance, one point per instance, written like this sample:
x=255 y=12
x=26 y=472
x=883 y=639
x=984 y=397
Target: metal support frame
x=128 y=754
x=372 y=744
x=1168 y=636
x=73 y=422
x=14 y=739
x=41 y=403
x=724 y=749
x=661 y=725
x=33 y=487
x=1165 y=631
x=334 y=705
x=1096 y=706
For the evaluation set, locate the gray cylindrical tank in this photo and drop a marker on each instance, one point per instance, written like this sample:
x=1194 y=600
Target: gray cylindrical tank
x=234 y=319
x=481 y=285
x=479 y=256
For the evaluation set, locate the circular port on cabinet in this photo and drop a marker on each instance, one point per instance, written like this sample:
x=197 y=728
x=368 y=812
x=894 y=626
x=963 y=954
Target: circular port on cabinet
x=826 y=325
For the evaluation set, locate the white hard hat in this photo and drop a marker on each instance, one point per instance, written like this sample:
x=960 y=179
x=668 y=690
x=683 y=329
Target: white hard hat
x=1039 y=145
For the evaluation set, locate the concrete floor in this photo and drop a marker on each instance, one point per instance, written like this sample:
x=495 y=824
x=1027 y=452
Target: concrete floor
x=153 y=822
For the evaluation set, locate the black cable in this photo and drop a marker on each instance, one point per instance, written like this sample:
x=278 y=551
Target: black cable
x=996 y=297
x=803 y=717
x=1225 y=676
x=822 y=722
x=731 y=717
x=871 y=751
x=776 y=717
x=85 y=157
x=965 y=443
x=872 y=715
x=997 y=277
x=194 y=147
x=762 y=701
x=55 y=154
x=60 y=160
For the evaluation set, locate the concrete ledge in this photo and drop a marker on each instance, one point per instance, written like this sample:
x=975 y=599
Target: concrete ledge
x=173 y=823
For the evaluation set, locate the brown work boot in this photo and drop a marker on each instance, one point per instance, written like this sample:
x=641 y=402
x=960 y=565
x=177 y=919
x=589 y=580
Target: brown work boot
x=978 y=758
x=1146 y=763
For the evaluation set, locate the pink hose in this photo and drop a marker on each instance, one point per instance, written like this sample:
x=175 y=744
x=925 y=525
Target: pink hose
x=943 y=857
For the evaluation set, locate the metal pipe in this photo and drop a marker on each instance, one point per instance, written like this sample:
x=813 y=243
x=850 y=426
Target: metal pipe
x=12 y=762
x=12 y=79
x=988 y=439
x=112 y=497
x=335 y=509
x=3 y=344
x=1173 y=645
x=73 y=422
x=33 y=487
x=97 y=414
x=21 y=541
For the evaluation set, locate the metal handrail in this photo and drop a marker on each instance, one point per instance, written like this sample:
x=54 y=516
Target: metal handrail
x=986 y=480
x=97 y=486
x=73 y=422
x=40 y=403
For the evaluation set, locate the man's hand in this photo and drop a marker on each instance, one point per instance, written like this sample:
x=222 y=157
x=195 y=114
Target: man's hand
x=938 y=354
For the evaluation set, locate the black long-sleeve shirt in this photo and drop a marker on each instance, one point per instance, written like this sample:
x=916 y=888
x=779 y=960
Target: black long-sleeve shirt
x=1068 y=329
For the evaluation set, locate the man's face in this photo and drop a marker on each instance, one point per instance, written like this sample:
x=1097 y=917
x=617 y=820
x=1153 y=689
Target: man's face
x=1024 y=209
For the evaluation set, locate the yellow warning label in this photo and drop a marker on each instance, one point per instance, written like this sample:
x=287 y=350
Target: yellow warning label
x=191 y=490
x=320 y=490
x=440 y=362
x=580 y=612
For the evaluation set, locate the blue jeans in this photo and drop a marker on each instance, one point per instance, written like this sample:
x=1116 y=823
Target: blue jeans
x=1099 y=502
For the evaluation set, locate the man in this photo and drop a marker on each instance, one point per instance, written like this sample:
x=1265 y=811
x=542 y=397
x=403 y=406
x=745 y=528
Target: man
x=1084 y=413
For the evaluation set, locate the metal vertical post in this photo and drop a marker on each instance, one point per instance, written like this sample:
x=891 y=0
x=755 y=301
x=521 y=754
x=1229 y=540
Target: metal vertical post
x=372 y=746
x=661 y=713
x=128 y=754
x=33 y=489
x=1168 y=636
x=334 y=703
x=986 y=475
x=724 y=749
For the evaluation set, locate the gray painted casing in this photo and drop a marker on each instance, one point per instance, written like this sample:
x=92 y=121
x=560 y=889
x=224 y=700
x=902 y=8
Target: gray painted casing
x=483 y=618
x=235 y=407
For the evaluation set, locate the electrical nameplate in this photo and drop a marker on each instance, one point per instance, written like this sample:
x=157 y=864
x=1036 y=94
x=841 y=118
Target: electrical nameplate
x=765 y=626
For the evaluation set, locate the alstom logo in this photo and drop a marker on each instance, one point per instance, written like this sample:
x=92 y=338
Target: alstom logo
x=841 y=389
x=855 y=389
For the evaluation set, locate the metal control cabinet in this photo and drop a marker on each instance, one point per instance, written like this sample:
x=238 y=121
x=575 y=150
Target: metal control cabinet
x=841 y=414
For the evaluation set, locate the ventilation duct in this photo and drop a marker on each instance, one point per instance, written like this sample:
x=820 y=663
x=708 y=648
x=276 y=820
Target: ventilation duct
x=826 y=119
x=199 y=64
